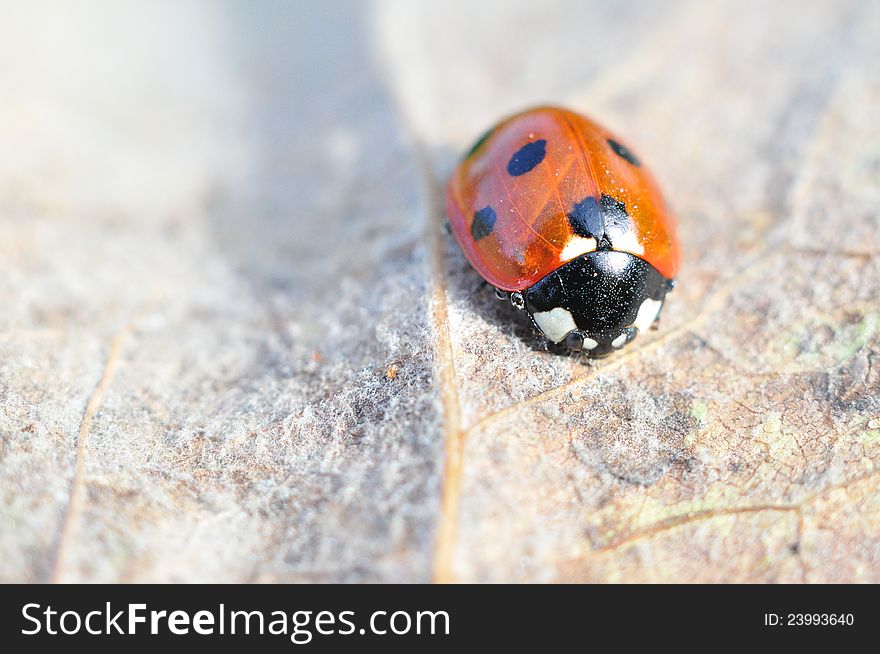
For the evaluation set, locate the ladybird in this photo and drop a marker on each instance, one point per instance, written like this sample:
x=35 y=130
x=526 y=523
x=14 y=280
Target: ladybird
x=564 y=219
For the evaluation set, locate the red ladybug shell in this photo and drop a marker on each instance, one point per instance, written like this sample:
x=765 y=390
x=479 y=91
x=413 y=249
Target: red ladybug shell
x=514 y=201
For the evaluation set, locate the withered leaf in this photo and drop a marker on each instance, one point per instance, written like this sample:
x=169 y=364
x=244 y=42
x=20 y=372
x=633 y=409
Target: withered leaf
x=237 y=345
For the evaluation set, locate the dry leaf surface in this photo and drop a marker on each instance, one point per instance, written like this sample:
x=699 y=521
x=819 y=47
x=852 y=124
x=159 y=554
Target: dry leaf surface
x=237 y=345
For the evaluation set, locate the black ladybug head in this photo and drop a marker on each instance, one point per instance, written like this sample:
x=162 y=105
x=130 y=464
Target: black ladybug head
x=597 y=302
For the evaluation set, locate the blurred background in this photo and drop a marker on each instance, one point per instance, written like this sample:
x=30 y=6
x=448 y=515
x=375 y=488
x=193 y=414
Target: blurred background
x=237 y=345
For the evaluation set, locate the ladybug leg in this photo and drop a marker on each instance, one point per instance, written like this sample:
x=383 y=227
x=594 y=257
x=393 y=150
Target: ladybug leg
x=516 y=299
x=542 y=342
x=656 y=324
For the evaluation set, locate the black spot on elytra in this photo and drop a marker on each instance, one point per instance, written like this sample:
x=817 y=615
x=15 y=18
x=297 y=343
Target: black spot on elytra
x=623 y=152
x=616 y=217
x=479 y=142
x=586 y=218
x=483 y=223
x=601 y=219
x=527 y=157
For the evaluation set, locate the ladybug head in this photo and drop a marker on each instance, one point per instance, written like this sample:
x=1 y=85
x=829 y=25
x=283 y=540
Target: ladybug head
x=597 y=302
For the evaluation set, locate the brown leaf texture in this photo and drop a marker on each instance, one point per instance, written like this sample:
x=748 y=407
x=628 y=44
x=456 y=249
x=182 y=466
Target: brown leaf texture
x=236 y=343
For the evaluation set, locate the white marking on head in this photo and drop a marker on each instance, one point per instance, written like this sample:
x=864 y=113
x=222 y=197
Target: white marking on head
x=589 y=343
x=619 y=341
x=577 y=246
x=648 y=313
x=555 y=323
